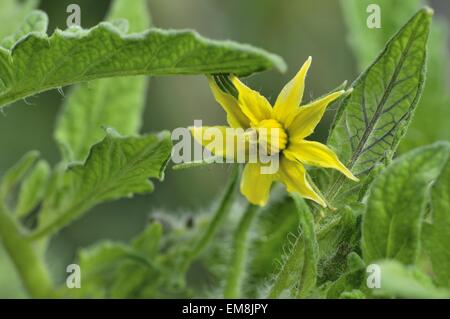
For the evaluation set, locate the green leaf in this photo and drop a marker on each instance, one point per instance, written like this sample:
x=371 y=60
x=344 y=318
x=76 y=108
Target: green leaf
x=148 y=242
x=15 y=174
x=118 y=270
x=78 y=55
x=429 y=123
x=396 y=204
x=299 y=271
x=100 y=264
x=12 y=13
x=117 y=167
x=348 y=282
x=33 y=189
x=437 y=235
x=116 y=102
x=36 y=22
x=402 y=281
x=374 y=117
x=351 y=283
x=338 y=236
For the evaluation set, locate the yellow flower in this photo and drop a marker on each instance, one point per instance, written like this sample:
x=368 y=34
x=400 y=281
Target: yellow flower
x=292 y=122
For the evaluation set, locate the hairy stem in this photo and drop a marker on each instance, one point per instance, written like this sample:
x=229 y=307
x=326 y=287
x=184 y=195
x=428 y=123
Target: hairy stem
x=236 y=273
x=29 y=264
x=219 y=216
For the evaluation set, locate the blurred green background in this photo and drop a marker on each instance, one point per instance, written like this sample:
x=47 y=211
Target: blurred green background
x=292 y=29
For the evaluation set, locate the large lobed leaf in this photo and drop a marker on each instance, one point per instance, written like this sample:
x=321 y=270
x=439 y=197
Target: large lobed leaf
x=116 y=167
x=117 y=102
x=374 y=117
x=396 y=203
x=78 y=55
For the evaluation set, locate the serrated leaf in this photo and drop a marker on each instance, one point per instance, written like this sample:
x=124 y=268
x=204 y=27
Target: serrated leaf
x=116 y=102
x=78 y=55
x=402 y=281
x=437 y=235
x=374 y=117
x=396 y=204
x=117 y=167
x=36 y=21
x=33 y=188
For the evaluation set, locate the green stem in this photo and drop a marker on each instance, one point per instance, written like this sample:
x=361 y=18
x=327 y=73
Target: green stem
x=292 y=266
x=29 y=264
x=219 y=216
x=237 y=267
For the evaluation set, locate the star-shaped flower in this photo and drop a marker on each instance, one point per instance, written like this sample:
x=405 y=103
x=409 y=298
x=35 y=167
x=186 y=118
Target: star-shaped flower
x=291 y=122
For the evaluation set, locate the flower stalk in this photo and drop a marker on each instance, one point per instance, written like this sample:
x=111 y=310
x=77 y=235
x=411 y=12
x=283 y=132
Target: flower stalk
x=236 y=275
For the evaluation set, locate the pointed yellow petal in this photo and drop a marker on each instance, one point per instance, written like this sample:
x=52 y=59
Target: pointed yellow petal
x=253 y=105
x=254 y=185
x=215 y=139
x=293 y=175
x=291 y=95
x=307 y=117
x=235 y=116
x=317 y=154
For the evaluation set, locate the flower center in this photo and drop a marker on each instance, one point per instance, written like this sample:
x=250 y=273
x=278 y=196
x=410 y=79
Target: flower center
x=271 y=136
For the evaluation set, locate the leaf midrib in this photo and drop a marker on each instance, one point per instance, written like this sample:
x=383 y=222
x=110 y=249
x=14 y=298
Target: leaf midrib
x=334 y=189
x=375 y=118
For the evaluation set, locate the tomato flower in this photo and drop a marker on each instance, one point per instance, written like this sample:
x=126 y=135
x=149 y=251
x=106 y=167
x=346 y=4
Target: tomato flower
x=291 y=122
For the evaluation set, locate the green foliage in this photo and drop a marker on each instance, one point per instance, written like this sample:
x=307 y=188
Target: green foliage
x=299 y=270
x=276 y=224
x=374 y=117
x=118 y=270
x=116 y=102
x=398 y=212
x=396 y=204
x=429 y=123
x=437 y=235
x=15 y=174
x=117 y=167
x=402 y=281
x=338 y=236
x=33 y=188
x=107 y=52
x=370 y=123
